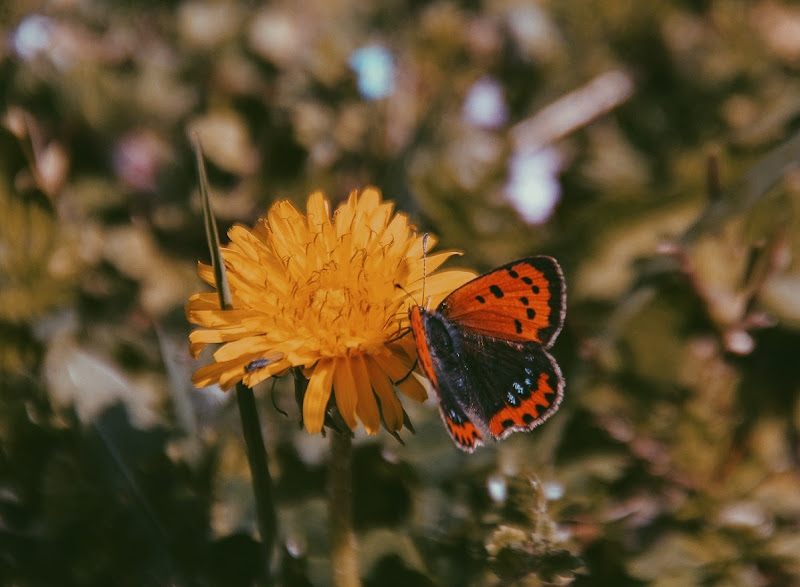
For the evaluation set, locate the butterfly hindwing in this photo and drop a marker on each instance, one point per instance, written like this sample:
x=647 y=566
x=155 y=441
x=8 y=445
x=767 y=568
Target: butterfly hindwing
x=515 y=386
x=522 y=301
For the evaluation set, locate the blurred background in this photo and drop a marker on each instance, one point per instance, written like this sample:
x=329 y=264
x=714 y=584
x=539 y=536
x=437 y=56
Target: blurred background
x=649 y=146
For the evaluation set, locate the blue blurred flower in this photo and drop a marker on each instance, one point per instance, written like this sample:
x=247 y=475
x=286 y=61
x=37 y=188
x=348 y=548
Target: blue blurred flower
x=533 y=188
x=485 y=105
x=374 y=68
x=33 y=36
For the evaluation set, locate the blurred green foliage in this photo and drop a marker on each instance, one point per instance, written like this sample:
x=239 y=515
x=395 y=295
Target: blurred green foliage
x=674 y=458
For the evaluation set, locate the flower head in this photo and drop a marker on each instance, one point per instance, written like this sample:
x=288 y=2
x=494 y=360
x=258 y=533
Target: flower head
x=320 y=292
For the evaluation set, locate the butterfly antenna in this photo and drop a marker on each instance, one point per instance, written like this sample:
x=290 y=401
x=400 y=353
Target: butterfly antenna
x=425 y=267
x=401 y=332
x=405 y=291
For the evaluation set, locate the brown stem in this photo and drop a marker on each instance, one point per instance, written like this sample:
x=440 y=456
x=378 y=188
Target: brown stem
x=344 y=550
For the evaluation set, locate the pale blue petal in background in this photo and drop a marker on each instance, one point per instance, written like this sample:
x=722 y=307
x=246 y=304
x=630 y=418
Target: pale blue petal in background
x=533 y=187
x=374 y=68
x=485 y=105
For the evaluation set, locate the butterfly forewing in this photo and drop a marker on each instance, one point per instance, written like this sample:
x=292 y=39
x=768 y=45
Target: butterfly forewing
x=444 y=368
x=522 y=301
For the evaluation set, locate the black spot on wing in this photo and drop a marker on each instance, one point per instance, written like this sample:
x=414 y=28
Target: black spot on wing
x=481 y=299
x=496 y=291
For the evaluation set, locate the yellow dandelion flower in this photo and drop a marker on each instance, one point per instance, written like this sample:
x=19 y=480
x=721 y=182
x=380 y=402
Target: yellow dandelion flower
x=319 y=292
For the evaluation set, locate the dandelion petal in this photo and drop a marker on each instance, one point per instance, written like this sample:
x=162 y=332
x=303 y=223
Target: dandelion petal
x=367 y=407
x=317 y=394
x=390 y=405
x=344 y=387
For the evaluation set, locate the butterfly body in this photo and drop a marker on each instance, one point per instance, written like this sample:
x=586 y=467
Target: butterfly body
x=484 y=350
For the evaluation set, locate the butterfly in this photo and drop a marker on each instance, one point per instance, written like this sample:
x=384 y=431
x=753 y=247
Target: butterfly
x=484 y=350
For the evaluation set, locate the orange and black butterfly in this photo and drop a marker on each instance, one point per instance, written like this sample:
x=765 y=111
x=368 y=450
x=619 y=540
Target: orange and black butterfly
x=484 y=349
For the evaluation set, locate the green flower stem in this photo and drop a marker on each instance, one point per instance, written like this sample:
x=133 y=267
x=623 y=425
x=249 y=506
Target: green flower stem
x=251 y=426
x=344 y=549
x=259 y=471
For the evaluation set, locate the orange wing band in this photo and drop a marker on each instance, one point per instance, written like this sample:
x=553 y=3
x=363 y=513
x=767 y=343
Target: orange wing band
x=466 y=434
x=527 y=414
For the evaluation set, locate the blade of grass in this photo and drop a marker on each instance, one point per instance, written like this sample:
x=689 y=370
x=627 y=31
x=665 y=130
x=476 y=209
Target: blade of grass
x=212 y=233
x=251 y=426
